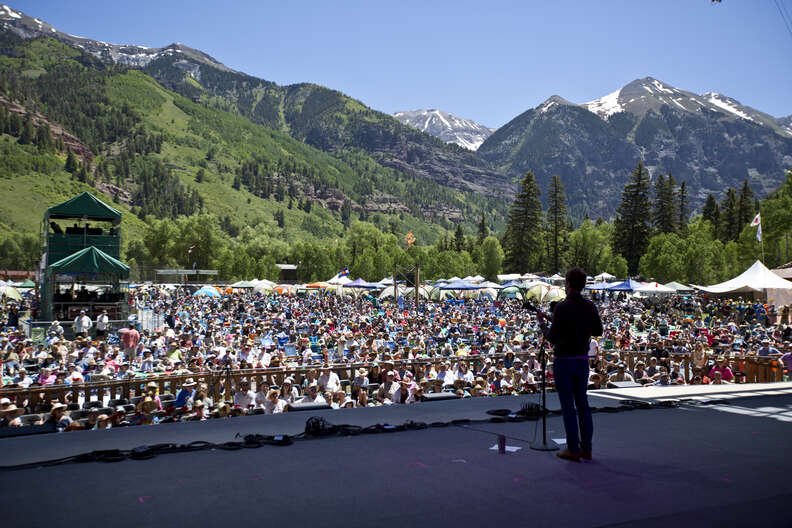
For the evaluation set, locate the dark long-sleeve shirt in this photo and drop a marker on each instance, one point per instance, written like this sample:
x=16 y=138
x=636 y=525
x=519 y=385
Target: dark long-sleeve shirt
x=575 y=320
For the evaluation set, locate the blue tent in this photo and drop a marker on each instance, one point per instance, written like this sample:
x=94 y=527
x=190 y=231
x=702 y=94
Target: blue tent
x=360 y=283
x=460 y=285
x=515 y=283
x=628 y=285
x=600 y=286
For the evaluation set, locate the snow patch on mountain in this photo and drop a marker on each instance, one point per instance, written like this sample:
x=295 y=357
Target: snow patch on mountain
x=7 y=12
x=606 y=106
x=726 y=104
x=448 y=127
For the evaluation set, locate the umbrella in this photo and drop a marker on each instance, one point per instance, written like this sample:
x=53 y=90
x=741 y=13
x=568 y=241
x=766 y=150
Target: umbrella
x=511 y=291
x=388 y=292
x=537 y=291
x=9 y=292
x=285 y=289
x=554 y=294
x=423 y=291
x=207 y=291
x=438 y=294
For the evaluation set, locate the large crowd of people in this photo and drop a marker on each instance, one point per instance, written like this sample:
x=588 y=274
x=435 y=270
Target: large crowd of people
x=400 y=353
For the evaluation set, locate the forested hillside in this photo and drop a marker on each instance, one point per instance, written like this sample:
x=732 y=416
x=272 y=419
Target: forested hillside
x=72 y=122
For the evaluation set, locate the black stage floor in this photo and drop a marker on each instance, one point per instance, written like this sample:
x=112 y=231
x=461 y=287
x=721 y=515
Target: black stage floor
x=694 y=465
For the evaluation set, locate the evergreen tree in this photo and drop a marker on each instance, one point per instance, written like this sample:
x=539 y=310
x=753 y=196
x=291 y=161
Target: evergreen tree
x=43 y=137
x=279 y=218
x=346 y=213
x=557 y=222
x=683 y=205
x=711 y=213
x=28 y=134
x=745 y=205
x=483 y=230
x=730 y=217
x=200 y=176
x=631 y=229
x=459 y=238
x=664 y=211
x=522 y=241
x=71 y=163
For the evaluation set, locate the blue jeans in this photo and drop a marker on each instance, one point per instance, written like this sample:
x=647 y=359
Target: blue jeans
x=571 y=381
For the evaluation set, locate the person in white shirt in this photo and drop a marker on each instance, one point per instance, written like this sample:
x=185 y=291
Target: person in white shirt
x=261 y=396
x=329 y=381
x=312 y=395
x=101 y=324
x=245 y=397
x=273 y=404
x=289 y=392
x=463 y=373
x=594 y=349
x=82 y=323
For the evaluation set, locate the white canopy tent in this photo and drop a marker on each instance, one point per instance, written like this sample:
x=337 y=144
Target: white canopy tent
x=509 y=277
x=604 y=277
x=339 y=280
x=757 y=279
x=654 y=288
x=678 y=286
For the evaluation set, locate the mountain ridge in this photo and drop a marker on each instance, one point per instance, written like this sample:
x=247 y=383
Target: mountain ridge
x=450 y=128
x=710 y=141
x=322 y=117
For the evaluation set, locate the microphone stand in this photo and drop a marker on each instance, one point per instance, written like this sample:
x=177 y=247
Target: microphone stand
x=545 y=444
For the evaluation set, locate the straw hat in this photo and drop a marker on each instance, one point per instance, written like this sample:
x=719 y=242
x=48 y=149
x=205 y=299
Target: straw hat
x=12 y=411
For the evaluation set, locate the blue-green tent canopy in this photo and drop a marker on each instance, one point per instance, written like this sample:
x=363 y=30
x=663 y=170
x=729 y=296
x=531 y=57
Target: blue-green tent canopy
x=84 y=205
x=90 y=260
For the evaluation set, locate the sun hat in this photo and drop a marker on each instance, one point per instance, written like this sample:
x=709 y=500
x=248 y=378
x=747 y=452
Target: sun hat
x=189 y=382
x=12 y=411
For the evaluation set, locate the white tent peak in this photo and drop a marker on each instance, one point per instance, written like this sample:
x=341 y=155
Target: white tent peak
x=754 y=279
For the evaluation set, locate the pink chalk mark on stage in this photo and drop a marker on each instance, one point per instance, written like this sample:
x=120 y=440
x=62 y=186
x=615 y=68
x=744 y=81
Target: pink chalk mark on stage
x=419 y=464
x=142 y=498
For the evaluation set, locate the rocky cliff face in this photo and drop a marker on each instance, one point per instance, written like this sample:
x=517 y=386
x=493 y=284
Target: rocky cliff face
x=710 y=141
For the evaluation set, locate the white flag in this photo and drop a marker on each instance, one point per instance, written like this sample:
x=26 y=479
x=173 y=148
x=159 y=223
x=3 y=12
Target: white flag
x=759 y=233
x=757 y=221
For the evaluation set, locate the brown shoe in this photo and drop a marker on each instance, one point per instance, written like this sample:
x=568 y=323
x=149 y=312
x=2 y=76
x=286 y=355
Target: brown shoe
x=585 y=455
x=566 y=454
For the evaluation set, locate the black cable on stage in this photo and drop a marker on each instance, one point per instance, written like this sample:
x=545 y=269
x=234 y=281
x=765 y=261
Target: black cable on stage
x=318 y=427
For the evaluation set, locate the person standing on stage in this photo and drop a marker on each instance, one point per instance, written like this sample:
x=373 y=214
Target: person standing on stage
x=575 y=320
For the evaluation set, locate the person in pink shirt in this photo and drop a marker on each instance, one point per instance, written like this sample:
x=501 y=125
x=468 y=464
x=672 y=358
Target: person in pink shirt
x=130 y=340
x=722 y=366
x=47 y=377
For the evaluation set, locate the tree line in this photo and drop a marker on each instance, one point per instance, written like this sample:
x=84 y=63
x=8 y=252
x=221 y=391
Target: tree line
x=652 y=234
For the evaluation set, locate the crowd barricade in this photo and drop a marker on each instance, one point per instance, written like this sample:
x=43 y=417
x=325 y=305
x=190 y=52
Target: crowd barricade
x=221 y=384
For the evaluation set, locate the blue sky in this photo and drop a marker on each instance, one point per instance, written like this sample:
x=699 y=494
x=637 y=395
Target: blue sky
x=487 y=61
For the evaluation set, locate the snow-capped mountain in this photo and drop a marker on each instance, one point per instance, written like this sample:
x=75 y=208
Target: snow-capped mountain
x=643 y=95
x=131 y=55
x=710 y=141
x=448 y=127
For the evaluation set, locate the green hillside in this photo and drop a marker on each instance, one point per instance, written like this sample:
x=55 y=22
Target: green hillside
x=159 y=154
